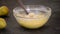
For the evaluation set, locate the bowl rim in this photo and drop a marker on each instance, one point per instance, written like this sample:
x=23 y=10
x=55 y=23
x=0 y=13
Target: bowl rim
x=31 y=5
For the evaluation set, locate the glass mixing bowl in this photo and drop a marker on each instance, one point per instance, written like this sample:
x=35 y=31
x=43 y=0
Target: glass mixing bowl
x=32 y=23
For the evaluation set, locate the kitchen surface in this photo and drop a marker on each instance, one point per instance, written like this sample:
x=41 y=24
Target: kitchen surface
x=51 y=27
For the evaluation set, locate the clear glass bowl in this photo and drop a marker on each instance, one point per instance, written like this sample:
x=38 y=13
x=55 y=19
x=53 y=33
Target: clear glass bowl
x=32 y=23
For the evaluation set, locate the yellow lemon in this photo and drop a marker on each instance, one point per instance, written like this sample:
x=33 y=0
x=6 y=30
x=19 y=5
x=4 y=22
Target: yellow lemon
x=3 y=10
x=2 y=23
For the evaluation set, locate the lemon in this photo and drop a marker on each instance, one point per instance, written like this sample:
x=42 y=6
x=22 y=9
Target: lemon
x=3 y=10
x=2 y=23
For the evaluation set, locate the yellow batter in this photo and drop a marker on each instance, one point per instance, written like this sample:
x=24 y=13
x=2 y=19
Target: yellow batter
x=32 y=20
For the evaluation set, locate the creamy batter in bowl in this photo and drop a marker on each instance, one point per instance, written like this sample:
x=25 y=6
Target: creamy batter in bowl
x=37 y=17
